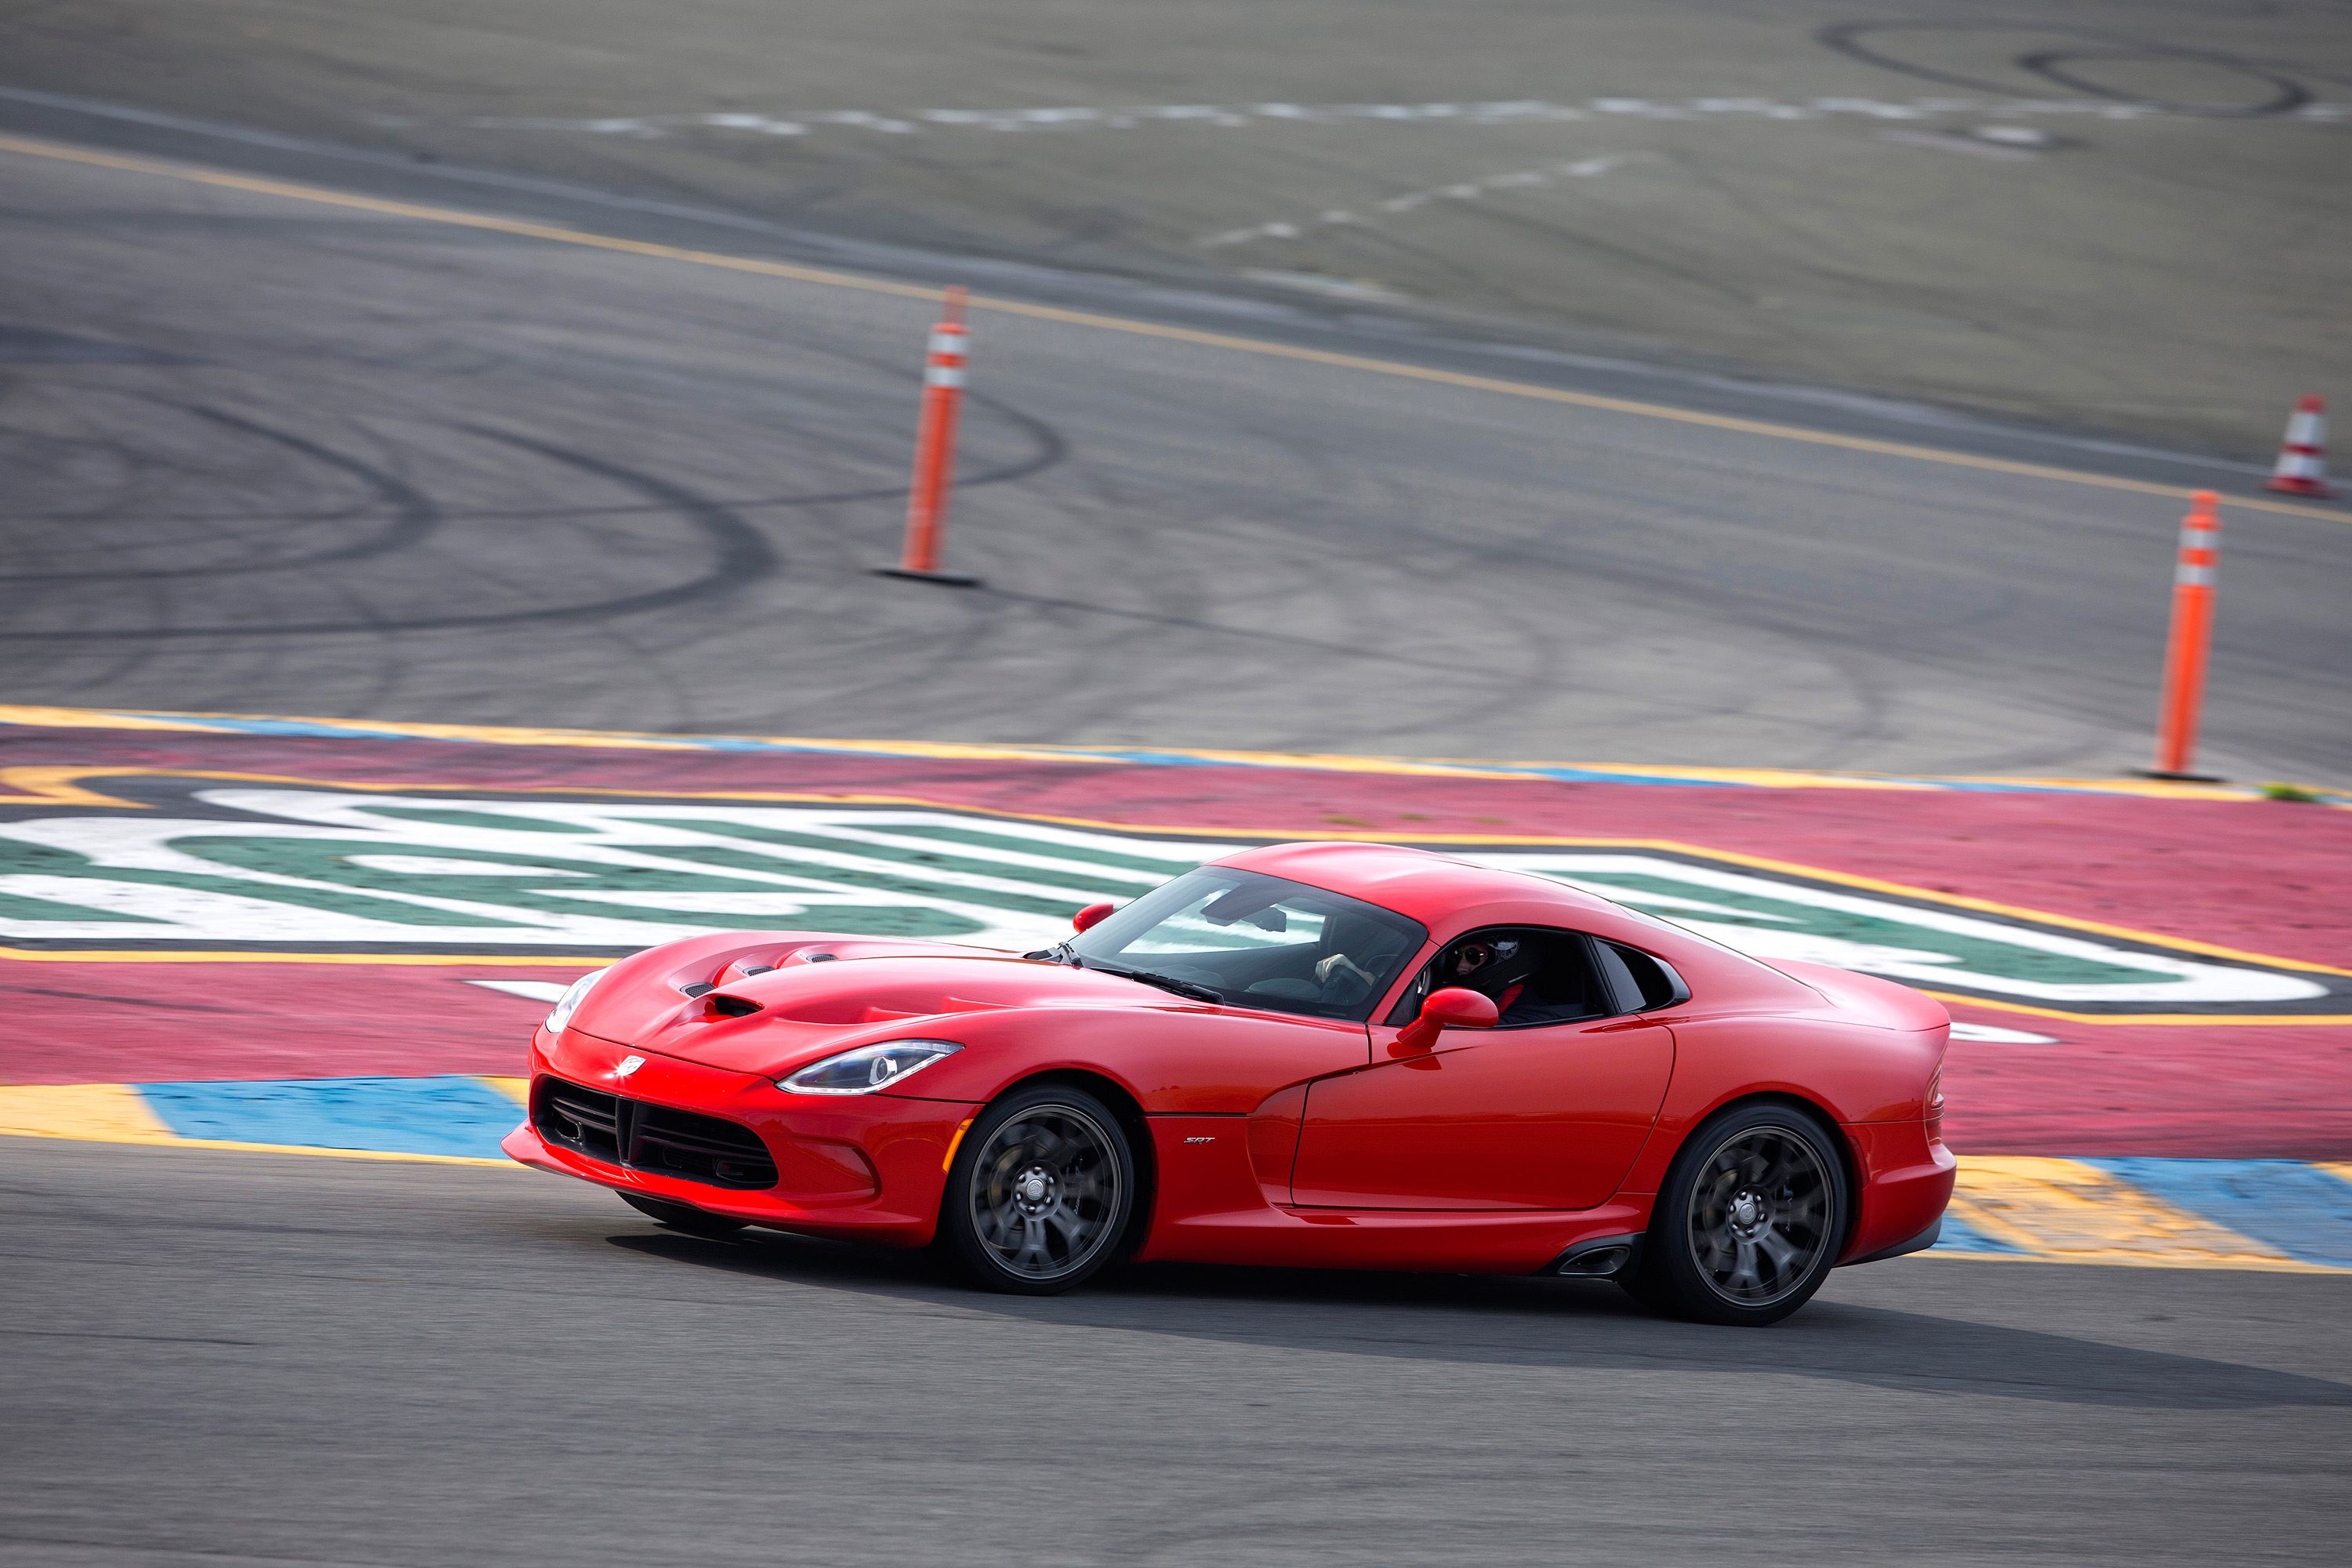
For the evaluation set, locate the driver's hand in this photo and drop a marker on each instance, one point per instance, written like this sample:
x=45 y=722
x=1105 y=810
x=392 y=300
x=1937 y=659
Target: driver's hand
x=1339 y=963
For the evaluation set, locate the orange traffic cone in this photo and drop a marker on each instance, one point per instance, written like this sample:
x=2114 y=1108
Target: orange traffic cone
x=2302 y=457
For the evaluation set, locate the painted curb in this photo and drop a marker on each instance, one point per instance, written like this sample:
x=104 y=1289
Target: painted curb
x=2267 y=1216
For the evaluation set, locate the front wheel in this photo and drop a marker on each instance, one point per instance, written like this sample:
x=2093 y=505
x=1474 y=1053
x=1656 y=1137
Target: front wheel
x=1750 y=1222
x=1040 y=1192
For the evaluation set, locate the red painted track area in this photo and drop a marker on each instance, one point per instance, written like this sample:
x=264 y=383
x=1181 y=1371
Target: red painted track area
x=2262 y=876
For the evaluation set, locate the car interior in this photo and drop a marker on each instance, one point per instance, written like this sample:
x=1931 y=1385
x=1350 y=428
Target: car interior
x=1539 y=975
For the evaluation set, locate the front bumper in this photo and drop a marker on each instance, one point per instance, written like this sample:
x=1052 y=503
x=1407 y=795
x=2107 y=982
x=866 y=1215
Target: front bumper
x=870 y=1167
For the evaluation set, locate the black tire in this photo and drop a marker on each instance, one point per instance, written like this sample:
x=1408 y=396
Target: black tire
x=684 y=1216
x=1750 y=1221
x=1040 y=1194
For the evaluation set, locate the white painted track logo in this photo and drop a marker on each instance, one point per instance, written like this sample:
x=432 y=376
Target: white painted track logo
x=201 y=864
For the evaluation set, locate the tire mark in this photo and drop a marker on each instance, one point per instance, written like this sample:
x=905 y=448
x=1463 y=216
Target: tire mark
x=741 y=556
x=415 y=520
x=2287 y=94
x=1052 y=451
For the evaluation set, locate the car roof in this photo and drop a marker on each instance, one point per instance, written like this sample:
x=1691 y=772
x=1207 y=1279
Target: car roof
x=1417 y=883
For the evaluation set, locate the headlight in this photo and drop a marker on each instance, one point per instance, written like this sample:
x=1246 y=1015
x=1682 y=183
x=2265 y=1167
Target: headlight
x=868 y=1068
x=569 y=1003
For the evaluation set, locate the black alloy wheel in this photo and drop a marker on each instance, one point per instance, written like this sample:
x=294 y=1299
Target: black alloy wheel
x=1040 y=1192
x=1751 y=1220
x=685 y=1217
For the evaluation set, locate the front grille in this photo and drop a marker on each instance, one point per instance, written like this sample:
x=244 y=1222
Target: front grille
x=656 y=1138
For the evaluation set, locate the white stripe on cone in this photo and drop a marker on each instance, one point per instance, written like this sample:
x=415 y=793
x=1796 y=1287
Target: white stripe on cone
x=2301 y=466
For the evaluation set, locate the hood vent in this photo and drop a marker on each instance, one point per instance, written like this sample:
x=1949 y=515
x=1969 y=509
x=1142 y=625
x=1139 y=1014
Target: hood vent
x=725 y=1006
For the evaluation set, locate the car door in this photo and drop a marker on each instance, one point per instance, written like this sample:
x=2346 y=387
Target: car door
x=1540 y=1114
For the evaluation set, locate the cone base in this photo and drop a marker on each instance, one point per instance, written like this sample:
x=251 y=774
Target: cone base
x=2178 y=778
x=944 y=579
x=2316 y=488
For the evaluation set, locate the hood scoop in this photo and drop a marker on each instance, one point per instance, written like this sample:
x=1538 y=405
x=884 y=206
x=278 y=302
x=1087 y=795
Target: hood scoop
x=851 y=1011
x=755 y=1023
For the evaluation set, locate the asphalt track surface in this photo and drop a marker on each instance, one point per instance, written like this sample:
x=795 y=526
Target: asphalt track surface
x=1821 y=189
x=272 y=454
x=224 y=1359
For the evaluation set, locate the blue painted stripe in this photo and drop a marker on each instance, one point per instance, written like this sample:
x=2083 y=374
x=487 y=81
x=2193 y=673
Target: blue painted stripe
x=1558 y=773
x=1960 y=1235
x=390 y=1115
x=2302 y=1210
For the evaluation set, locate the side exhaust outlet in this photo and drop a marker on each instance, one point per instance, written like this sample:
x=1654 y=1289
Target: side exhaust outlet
x=1602 y=1257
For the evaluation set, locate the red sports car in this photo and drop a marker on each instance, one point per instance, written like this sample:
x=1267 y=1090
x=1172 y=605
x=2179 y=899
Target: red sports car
x=1328 y=1055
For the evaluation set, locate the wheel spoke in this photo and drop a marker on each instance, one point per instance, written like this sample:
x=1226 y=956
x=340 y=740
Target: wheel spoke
x=1045 y=1189
x=1758 y=1216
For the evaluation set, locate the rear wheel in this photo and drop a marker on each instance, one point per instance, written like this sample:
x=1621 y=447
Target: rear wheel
x=1750 y=1220
x=1040 y=1193
x=684 y=1216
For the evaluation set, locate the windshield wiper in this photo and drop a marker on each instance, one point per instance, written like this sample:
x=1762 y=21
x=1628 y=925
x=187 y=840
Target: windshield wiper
x=1193 y=988
x=1058 y=954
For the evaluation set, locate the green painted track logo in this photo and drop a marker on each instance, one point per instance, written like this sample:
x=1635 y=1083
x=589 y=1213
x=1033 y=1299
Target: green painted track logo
x=311 y=870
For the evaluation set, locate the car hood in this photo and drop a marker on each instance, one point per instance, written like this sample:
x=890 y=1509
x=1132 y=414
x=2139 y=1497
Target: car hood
x=801 y=1011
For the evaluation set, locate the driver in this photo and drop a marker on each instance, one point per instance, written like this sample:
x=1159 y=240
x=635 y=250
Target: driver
x=1491 y=967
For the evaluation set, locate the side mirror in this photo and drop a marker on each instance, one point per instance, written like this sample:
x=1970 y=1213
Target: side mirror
x=1452 y=1007
x=1092 y=915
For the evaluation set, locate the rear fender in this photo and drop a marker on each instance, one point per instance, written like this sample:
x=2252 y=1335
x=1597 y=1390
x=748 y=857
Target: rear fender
x=1852 y=1073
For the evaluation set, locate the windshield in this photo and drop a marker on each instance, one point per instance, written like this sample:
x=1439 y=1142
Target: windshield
x=1258 y=941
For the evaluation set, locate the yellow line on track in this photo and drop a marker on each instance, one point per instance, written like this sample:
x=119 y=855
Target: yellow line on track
x=55 y=785
x=826 y=277
x=2052 y=1210
x=2068 y=1211
x=118 y=1113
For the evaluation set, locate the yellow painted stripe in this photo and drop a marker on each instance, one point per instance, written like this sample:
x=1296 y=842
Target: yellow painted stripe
x=55 y=786
x=61 y=784
x=90 y=719
x=515 y=1089
x=133 y=955
x=2073 y=1212
x=2052 y=1210
x=114 y=1113
x=103 y=1112
x=237 y=1147
x=456 y=217
x=2340 y=1170
x=2165 y=1020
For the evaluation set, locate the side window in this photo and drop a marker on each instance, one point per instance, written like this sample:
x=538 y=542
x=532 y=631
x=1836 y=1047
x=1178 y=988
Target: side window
x=1639 y=981
x=1534 y=973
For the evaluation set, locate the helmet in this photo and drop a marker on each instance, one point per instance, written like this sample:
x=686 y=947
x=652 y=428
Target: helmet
x=1486 y=965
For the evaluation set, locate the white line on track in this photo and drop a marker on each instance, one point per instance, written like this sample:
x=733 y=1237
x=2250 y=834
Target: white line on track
x=1459 y=191
x=287 y=190
x=1239 y=116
